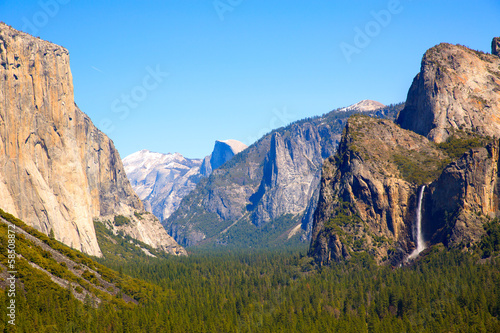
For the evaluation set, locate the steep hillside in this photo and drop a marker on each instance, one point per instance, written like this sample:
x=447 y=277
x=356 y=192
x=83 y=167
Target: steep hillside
x=57 y=170
x=40 y=257
x=268 y=185
x=56 y=286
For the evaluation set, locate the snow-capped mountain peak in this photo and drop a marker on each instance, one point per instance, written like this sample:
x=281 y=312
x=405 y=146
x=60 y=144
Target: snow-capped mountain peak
x=363 y=106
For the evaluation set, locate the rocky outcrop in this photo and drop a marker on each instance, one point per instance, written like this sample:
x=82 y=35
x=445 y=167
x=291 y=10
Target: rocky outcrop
x=272 y=179
x=161 y=180
x=495 y=46
x=57 y=170
x=463 y=198
x=223 y=152
x=289 y=174
x=368 y=191
x=368 y=197
x=457 y=89
x=146 y=228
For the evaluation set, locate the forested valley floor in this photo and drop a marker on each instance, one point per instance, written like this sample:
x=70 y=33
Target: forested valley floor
x=260 y=291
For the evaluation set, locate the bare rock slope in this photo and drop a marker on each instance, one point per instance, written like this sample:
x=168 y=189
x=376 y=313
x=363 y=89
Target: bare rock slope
x=457 y=89
x=161 y=180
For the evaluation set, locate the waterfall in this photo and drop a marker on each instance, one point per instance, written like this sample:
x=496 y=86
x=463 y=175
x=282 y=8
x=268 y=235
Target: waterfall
x=420 y=237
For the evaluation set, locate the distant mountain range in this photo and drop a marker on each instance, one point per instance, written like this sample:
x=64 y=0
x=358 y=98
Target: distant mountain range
x=162 y=180
x=263 y=195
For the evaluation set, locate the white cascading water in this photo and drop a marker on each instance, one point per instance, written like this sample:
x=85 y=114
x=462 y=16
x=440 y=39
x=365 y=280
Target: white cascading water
x=420 y=236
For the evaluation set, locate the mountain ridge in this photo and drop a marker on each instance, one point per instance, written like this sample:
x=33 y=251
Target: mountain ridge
x=256 y=188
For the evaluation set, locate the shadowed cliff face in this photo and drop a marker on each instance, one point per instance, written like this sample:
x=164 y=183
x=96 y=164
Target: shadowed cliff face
x=57 y=170
x=463 y=198
x=457 y=89
x=495 y=46
x=223 y=152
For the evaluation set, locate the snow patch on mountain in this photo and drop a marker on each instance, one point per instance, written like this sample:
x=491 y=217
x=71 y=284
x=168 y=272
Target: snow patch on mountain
x=162 y=180
x=364 y=105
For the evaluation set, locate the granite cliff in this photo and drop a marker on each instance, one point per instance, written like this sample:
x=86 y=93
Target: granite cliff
x=457 y=89
x=223 y=151
x=368 y=190
x=448 y=142
x=58 y=172
x=465 y=196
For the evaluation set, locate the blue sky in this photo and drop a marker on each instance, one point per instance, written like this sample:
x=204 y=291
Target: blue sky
x=176 y=75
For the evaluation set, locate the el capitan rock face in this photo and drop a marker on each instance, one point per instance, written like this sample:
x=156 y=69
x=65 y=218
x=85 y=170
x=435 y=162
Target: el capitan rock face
x=457 y=89
x=57 y=170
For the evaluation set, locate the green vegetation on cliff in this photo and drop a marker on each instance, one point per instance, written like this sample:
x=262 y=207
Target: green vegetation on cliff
x=388 y=148
x=417 y=168
x=456 y=145
x=490 y=244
